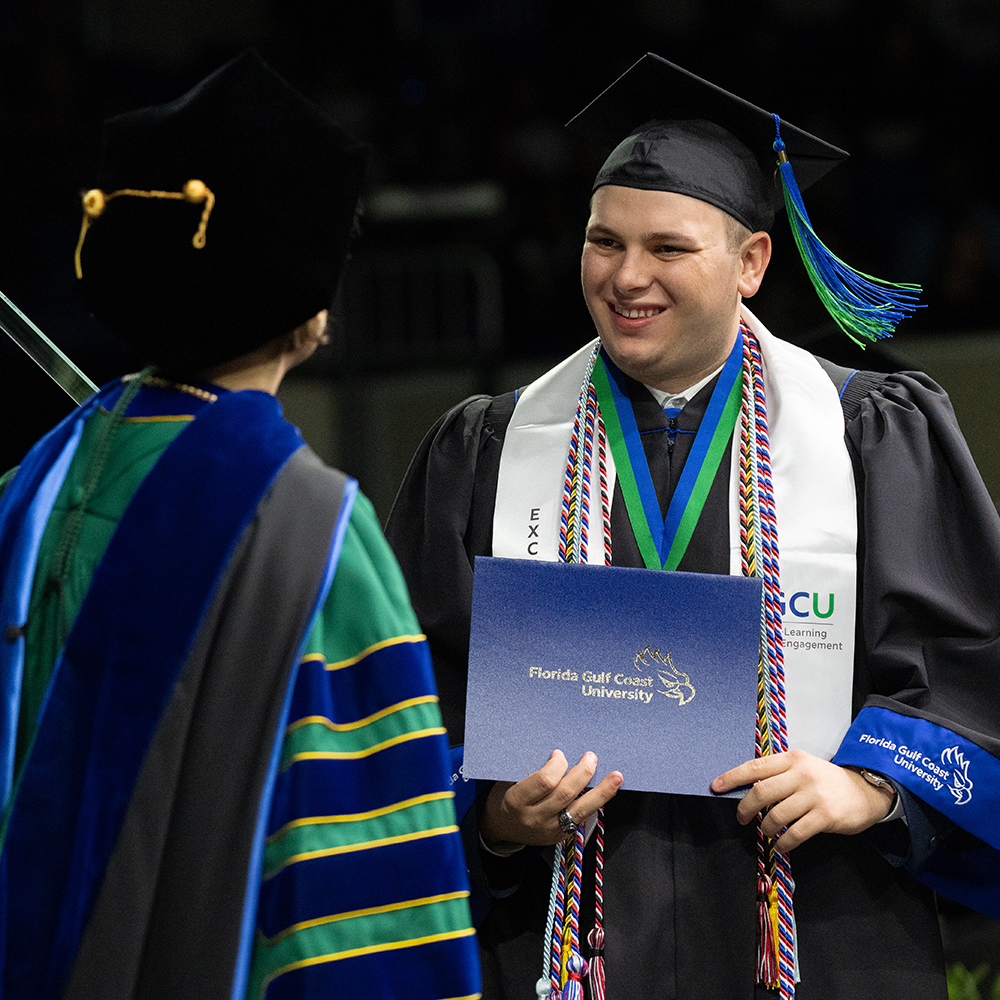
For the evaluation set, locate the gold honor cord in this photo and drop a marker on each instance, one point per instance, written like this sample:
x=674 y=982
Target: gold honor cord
x=43 y=352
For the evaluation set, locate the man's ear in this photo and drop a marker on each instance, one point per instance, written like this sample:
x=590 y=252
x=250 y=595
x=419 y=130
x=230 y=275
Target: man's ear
x=755 y=255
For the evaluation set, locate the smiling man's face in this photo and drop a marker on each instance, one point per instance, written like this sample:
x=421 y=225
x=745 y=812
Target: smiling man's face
x=663 y=280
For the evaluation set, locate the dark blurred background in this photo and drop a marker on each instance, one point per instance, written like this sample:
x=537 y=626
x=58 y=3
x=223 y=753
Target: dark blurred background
x=466 y=277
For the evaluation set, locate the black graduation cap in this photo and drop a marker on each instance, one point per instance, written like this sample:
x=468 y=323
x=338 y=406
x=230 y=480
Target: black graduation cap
x=220 y=220
x=674 y=131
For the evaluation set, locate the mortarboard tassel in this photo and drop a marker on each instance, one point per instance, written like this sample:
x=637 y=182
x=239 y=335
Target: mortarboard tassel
x=858 y=303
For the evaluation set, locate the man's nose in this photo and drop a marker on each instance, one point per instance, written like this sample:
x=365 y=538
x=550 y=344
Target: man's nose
x=633 y=272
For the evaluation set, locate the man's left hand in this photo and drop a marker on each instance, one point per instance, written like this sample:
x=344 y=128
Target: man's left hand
x=806 y=795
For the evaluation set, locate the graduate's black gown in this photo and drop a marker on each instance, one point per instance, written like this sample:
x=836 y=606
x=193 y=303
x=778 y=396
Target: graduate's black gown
x=679 y=871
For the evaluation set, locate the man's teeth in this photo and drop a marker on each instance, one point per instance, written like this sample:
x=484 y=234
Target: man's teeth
x=635 y=313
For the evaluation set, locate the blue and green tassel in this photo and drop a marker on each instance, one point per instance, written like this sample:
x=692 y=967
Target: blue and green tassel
x=859 y=304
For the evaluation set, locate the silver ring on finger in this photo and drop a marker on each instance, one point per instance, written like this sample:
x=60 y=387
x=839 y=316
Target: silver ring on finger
x=567 y=824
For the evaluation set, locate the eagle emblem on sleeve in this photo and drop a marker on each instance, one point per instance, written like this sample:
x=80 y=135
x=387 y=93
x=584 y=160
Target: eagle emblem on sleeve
x=961 y=788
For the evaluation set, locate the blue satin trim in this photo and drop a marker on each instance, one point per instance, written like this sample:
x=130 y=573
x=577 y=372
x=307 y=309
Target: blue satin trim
x=117 y=672
x=945 y=770
x=24 y=510
x=951 y=774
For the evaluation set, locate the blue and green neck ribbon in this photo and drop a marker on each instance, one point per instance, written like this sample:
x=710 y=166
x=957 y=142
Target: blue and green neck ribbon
x=663 y=540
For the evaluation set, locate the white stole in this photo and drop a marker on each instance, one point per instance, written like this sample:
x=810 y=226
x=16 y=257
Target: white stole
x=815 y=506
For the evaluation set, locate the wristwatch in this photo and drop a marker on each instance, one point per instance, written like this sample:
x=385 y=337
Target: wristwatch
x=876 y=779
x=881 y=781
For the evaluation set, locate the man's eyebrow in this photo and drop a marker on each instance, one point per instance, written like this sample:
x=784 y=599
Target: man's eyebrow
x=665 y=237
x=599 y=227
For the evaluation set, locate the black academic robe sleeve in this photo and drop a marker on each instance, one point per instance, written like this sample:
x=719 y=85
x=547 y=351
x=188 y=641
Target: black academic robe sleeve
x=441 y=519
x=927 y=674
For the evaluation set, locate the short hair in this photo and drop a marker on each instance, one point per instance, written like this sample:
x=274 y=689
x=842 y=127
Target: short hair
x=736 y=234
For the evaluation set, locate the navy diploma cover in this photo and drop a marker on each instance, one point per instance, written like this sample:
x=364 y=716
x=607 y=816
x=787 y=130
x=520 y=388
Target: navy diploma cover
x=656 y=672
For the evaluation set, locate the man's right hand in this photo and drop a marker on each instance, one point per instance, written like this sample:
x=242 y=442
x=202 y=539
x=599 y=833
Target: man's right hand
x=528 y=812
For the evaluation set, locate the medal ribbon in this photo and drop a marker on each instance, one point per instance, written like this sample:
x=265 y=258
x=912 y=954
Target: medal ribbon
x=664 y=540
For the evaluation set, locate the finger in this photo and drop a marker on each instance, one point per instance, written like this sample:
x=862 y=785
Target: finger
x=788 y=811
x=539 y=785
x=587 y=804
x=575 y=781
x=751 y=771
x=798 y=833
x=554 y=769
x=553 y=787
x=764 y=795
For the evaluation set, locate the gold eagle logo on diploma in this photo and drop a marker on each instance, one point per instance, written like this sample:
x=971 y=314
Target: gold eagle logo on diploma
x=676 y=683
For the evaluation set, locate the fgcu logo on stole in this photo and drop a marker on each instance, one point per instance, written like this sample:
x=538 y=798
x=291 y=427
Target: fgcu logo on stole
x=802 y=603
x=811 y=626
